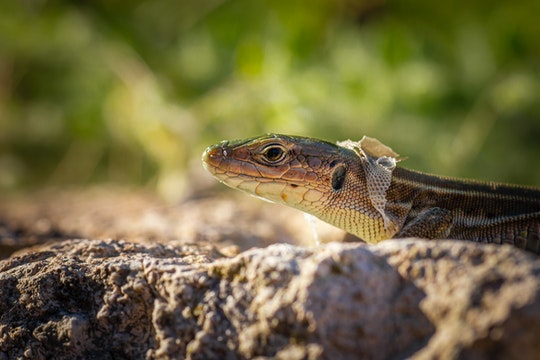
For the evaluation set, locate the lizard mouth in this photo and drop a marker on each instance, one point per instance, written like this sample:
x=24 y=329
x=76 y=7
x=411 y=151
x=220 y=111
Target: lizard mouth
x=232 y=158
x=222 y=162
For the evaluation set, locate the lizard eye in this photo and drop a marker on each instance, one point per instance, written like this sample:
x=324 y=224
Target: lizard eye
x=273 y=153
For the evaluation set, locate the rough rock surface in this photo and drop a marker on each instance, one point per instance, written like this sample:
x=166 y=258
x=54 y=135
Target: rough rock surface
x=113 y=299
x=177 y=296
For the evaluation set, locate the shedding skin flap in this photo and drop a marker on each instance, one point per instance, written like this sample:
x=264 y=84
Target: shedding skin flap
x=378 y=161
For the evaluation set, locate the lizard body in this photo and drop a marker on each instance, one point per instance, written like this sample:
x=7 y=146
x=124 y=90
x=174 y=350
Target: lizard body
x=357 y=187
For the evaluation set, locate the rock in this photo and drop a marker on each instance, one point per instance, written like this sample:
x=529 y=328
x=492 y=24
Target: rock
x=120 y=213
x=98 y=299
x=180 y=286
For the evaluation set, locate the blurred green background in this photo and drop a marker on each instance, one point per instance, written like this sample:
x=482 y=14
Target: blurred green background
x=131 y=92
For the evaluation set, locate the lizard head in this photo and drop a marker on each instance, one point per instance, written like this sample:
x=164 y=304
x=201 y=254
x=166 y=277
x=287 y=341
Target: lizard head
x=304 y=173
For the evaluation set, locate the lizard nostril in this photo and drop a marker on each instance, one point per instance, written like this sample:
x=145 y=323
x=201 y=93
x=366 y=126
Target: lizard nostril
x=214 y=154
x=220 y=150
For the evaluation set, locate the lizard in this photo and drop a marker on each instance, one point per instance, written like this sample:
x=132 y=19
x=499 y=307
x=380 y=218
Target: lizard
x=357 y=186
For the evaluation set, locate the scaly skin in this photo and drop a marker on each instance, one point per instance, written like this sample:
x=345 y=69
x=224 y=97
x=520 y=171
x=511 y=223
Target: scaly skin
x=358 y=188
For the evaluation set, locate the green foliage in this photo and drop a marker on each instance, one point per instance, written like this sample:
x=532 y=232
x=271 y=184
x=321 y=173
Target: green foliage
x=132 y=92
